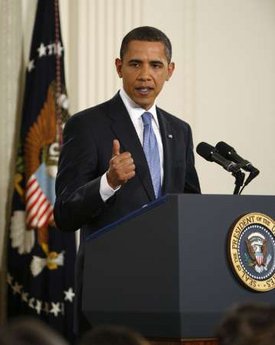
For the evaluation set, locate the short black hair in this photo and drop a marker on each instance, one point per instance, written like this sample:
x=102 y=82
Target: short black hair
x=247 y=324
x=27 y=330
x=112 y=335
x=147 y=33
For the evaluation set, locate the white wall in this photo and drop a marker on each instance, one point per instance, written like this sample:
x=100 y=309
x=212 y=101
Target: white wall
x=235 y=87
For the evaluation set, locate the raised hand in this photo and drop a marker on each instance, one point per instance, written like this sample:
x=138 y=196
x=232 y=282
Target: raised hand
x=121 y=167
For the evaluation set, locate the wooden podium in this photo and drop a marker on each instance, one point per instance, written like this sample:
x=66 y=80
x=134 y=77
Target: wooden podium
x=164 y=271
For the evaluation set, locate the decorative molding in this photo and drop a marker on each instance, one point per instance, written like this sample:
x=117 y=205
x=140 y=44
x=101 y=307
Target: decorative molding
x=10 y=79
x=95 y=36
x=189 y=51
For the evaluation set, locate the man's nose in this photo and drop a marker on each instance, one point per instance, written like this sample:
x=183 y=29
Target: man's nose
x=145 y=73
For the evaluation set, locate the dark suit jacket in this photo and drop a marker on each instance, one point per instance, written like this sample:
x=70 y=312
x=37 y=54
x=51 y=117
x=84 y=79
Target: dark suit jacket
x=87 y=149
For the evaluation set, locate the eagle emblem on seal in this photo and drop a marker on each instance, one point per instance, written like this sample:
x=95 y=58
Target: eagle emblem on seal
x=257 y=249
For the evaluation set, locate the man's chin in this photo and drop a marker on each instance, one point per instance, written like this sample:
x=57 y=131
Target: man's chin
x=144 y=102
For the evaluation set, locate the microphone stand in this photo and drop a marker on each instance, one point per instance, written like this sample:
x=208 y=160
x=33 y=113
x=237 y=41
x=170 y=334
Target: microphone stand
x=251 y=176
x=239 y=180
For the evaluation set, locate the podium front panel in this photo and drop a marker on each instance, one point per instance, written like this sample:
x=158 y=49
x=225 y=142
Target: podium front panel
x=164 y=271
x=208 y=286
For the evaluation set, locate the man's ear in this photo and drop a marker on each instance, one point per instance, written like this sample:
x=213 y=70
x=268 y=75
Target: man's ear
x=171 y=68
x=118 y=64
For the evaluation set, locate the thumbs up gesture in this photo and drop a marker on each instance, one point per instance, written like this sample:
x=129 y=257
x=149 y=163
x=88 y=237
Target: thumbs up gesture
x=121 y=167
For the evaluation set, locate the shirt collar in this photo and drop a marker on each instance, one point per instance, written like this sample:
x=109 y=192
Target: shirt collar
x=134 y=110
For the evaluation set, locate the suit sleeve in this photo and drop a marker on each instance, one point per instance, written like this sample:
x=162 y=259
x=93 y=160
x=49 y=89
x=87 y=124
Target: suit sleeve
x=78 y=200
x=192 y=184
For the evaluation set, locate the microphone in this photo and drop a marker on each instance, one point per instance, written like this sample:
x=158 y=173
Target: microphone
x=229 y=152
x=209 y=153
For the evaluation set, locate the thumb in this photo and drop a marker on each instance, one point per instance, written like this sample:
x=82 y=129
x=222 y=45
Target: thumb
x=116 y=147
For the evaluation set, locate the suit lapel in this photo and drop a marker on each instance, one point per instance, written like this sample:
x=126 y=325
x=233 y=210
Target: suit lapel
x=168 y=139
x=125 y=132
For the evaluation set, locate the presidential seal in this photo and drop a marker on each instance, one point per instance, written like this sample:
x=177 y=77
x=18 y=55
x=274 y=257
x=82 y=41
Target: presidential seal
x=251 y=246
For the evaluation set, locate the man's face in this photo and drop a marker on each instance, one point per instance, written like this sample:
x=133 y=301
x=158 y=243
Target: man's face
x=144 y=69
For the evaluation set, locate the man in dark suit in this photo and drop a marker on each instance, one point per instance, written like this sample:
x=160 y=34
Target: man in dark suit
x=103 y=171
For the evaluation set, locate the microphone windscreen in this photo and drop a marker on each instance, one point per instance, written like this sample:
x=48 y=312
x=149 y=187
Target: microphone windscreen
x=224 y=149
x=205 y=150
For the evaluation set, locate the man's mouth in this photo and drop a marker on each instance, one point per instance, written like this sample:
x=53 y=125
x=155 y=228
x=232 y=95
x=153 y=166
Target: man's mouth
x=143 y=90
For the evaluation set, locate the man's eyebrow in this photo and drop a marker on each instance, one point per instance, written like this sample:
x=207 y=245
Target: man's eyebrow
x=159 y=62
x=134 y=60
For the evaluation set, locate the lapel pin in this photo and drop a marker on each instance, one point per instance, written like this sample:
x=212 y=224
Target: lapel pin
x=170 y=136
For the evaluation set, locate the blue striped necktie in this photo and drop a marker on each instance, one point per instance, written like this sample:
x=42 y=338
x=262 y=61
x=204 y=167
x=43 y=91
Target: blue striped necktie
x=150 y=147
